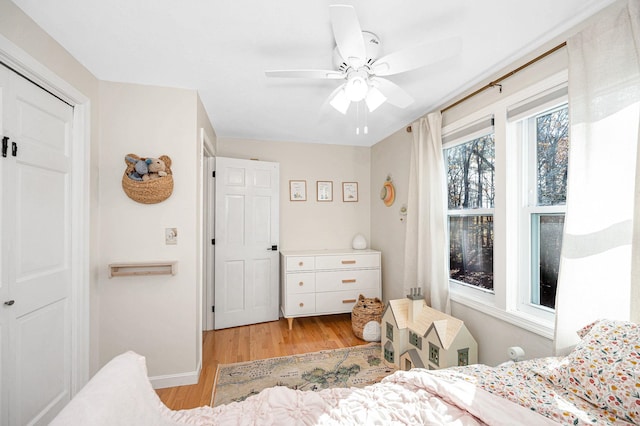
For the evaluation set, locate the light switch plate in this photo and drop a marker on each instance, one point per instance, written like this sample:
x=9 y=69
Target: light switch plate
x=171 y=236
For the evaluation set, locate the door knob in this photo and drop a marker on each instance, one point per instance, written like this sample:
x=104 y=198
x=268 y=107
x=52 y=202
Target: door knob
x=9 y=302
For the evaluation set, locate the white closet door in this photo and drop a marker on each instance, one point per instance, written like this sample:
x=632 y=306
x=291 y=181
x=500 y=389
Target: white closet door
x=247 y=234
x=36 y=249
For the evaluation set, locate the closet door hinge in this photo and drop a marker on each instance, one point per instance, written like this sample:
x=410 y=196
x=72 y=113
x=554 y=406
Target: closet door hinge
x=14 y=149
x=213 y=241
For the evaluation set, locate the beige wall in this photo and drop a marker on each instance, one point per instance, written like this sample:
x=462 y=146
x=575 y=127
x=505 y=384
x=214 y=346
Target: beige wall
x=156 y=316
x=311 y=224
x=390 y=157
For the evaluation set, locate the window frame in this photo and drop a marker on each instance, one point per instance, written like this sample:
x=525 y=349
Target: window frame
x=468 y=132
x=524 y=132
x=504 y=302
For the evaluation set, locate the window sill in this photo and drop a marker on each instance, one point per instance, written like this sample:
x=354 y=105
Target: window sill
x=519 y=319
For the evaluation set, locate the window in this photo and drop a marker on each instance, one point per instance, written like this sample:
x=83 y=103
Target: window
x=546 y=140
x=434 y=354
x=471 y=191
x=389 y=353
x=390 y=332
x=415 y=340
x=463 y=356
x=506 y=167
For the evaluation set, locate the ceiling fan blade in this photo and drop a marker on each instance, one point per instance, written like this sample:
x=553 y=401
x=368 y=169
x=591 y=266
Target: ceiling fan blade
x=348 y=34
x=327 y=74
x=395 y=94
x=415 y=57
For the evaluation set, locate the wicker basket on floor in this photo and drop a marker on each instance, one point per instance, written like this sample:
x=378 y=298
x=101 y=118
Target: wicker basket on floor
x=151 y=191
x=365 y=310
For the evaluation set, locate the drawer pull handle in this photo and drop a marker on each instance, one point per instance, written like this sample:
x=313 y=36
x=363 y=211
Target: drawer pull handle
x=349 y=281
x=300 y=263
x=349 y=301
x=301 y=283
x=348 y=262
x=302 y=304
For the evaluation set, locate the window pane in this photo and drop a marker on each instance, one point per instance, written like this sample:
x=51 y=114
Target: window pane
x=552 y=149
x=547 y=242
x=470 y=174
x=471 y=250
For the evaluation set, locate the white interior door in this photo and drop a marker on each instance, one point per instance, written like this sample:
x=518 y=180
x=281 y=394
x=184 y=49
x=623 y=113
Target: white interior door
x=35 y=319
x=247 y=236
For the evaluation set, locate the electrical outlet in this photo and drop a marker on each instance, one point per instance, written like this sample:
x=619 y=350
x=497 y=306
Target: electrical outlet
x=171 y=236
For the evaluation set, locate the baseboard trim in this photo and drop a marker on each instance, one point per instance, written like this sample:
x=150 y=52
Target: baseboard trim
x=173 y=380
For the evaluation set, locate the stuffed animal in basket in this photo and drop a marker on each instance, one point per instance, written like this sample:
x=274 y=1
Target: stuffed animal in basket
x=146 y=168
x=157 y=168
x=366 y=317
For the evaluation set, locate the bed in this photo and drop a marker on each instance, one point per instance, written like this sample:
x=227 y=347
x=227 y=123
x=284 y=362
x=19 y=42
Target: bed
x=598 y=383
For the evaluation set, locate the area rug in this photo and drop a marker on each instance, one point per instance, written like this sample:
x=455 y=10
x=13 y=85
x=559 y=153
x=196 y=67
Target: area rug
x=357 y=366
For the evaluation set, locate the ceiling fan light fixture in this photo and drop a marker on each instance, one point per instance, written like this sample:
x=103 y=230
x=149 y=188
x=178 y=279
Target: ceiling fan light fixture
x=374 y=98
x=356 y=87
x=340 y=101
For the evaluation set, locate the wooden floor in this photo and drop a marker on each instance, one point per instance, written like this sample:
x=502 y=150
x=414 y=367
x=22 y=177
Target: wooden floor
x=259 y=341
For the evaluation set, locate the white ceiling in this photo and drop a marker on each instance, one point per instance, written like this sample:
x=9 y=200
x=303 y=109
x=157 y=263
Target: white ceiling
x=221 y=48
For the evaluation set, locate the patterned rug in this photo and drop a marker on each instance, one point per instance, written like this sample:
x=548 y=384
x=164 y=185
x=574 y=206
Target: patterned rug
x=357 y=366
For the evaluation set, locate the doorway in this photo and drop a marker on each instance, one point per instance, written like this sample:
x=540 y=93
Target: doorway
x=247 y=200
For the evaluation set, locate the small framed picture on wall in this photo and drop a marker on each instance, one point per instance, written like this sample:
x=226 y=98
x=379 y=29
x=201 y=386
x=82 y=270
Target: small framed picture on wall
x=324 y=190
x=349 y=192
x=297 y=190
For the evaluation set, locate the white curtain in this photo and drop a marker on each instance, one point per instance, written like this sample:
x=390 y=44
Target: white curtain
x=426 y=262
x=604 y=98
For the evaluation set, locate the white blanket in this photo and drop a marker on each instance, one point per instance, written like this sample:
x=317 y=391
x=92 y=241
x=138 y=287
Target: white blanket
x=120 y=394
x=415 y=397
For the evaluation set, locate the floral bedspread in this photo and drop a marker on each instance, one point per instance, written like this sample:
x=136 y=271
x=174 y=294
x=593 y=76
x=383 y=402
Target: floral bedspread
x=520 y=382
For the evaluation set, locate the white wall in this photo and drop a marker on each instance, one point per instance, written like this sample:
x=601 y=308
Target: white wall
x=311 y=224
x=156 y=316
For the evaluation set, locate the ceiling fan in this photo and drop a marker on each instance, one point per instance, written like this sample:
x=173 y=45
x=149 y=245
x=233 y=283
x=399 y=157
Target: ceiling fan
x=357 y=60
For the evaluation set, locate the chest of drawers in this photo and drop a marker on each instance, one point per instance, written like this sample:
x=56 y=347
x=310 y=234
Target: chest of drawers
x=321 y=282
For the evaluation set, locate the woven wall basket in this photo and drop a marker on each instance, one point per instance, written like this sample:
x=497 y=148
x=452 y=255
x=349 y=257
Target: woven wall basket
x=365 y=310
x=151 y=191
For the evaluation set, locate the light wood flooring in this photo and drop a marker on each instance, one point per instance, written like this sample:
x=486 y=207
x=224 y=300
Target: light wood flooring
x=259 y=341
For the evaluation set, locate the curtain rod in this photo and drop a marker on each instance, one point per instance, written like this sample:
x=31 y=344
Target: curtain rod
x=496 y=82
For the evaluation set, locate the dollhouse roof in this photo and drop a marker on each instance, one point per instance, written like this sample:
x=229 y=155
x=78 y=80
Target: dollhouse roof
x=444 y=326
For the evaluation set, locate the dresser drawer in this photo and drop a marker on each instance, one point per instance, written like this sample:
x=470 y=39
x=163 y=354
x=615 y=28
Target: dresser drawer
x=347 y=280
x=341 y=301
x=301 y=282
x=348 y=261
x=300 y=263
x=301 y=304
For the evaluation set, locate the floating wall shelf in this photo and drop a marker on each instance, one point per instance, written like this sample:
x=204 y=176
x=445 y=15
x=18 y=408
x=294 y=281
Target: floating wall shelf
x=142 y=268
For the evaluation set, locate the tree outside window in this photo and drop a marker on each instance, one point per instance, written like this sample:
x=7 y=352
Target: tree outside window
x=471 y=190
x=547 y=208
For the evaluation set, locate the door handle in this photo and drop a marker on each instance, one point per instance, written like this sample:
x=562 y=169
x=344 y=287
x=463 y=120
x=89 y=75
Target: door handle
x=9 y=302
x=14 y=149
x=273 y=248
x=5 y=145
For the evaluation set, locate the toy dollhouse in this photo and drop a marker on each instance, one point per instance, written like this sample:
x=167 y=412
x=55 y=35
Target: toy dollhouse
x=415 y=335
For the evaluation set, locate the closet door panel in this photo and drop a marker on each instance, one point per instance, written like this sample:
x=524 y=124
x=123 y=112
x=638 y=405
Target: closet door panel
x=38 y=263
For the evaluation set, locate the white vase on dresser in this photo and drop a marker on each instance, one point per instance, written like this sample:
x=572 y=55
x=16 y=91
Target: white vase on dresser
x=322 y=282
